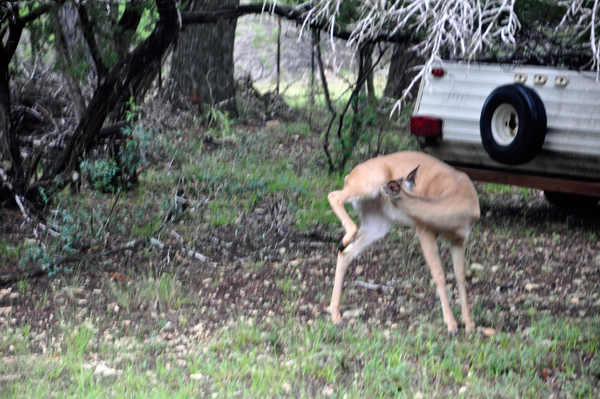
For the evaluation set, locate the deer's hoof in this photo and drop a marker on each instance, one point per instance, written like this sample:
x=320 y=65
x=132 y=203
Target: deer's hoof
x=341 y=246
x=454 y=332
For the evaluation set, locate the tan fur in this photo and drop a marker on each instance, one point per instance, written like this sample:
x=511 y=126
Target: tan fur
x=443 y=203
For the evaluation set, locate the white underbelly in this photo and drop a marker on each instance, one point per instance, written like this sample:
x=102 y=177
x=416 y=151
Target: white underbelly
x=397 y=215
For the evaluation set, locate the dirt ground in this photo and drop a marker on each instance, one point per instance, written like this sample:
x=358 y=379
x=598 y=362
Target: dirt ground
x=526 y=256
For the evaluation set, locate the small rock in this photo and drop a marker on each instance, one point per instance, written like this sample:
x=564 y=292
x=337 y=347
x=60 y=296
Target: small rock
x=14 y=295
x=168 y=326
x=359 y=270
x=419 y=395
x=259 y=211
x=104 y=370
x=198 y=328
x=495 y=268
x=462 y=390
x=82 y=302
x=282 y=250
x=116 y=309
x=488 y=332
x=196 y=376
x=530 y=286
x=327 y=391
x=353 y=314
x=477 y=266
x=584 y=271
x=296 y=262
x=575 y=300
x=5 y=291
x=6 y=310
x=287 y=387
x=547 y=343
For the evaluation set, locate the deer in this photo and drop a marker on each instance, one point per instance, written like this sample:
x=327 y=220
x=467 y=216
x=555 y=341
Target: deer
x=412 y=189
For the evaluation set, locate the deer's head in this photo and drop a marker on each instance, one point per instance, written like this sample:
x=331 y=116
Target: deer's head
x=407 y=184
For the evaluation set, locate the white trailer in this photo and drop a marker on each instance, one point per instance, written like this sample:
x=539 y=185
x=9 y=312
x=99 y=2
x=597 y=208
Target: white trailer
x=523 y=125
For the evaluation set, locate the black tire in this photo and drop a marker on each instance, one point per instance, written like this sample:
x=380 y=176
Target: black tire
x=572 y=202
x=513 y=124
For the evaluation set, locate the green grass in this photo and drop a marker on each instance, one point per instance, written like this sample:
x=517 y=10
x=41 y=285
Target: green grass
x=284 y=357
x=288 y=359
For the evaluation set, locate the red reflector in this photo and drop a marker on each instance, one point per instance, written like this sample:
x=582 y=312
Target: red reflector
x=425 y=126
x=437 y=72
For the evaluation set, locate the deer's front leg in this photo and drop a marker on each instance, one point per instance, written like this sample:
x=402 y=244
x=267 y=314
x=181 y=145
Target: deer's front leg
x=343 y=261
x=428 y=240
x=374 y=227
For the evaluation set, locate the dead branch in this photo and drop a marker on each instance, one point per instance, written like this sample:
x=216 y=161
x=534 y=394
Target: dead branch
x=40 y=271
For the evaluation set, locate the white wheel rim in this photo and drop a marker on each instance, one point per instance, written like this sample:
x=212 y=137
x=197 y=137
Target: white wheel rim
x=505 y=124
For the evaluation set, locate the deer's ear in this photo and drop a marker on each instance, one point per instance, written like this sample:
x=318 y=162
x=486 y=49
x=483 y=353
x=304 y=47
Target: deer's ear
x=410 y=181
x=393 y=188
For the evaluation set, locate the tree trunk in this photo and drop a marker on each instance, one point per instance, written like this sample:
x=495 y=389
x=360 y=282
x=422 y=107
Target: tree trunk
x=10 y=158
x=69 y=41
x=203 y=60
x=367 y=53
x=400 y=75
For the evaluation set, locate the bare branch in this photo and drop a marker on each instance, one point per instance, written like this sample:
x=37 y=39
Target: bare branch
x=463 y=27
x=585 y=19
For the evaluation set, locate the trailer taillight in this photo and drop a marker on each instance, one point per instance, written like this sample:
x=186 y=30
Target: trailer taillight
x=437 y=72
x=426 y=126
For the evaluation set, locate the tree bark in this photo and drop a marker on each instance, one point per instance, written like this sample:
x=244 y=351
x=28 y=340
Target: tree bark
x=140 y=85
x=367 y=53
x=399 y=74
x=202 y=62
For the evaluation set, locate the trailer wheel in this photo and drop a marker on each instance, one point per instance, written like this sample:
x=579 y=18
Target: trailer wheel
x=513 y=124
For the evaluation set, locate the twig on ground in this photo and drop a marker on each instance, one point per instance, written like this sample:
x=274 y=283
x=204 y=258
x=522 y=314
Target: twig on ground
x=111 y=211
x=29 y=220
x=370 y=286
x=182 y=248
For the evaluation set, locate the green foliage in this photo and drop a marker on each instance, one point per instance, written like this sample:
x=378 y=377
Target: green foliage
x=217 y=120
x=537 y=14
x=102 y=174
x=365 y=133
x=111 y=174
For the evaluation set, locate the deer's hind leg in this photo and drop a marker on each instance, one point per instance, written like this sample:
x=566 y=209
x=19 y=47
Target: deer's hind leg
x=457 y=251
x=431 y=253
